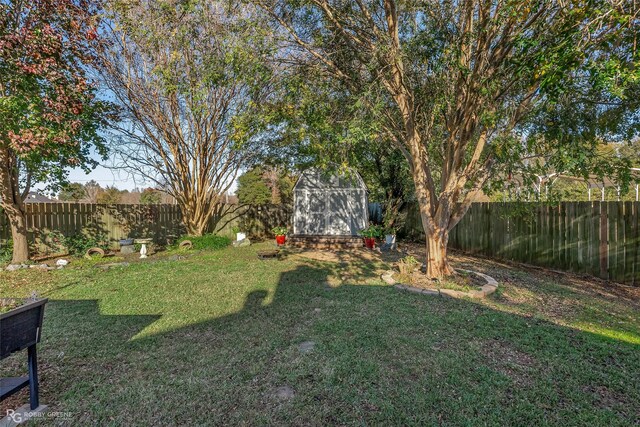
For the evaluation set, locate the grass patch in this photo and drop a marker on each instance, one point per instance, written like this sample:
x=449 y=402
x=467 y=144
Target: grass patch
x=214 y=338
x=208 y=241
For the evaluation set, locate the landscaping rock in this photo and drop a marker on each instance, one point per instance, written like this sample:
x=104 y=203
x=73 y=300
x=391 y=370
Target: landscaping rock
x=62 y=262
x=14 y=267
x=42 y=267
x=306 y=347
x=241 y=243
x=488 y=289
x=111 y=265
x=127 y=249
x=387 y=277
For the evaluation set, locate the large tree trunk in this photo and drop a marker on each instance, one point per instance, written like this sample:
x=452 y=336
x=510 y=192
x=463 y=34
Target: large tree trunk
x=195 y=225
x=13 y=206
x=437 y=262
x=195 y=216
x=19 y=236
x=437 y=238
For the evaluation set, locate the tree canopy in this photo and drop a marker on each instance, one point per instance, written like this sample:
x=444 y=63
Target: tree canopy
x=50 y=116
x=467 y=90
x=191 y=78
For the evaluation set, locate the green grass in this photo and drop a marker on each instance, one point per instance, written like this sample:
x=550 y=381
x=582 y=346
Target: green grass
x=207 y=340
x=207 y=241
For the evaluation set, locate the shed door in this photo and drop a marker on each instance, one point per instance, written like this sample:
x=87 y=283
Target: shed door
x=340 y=213
x=329 y=212
x=316 y=214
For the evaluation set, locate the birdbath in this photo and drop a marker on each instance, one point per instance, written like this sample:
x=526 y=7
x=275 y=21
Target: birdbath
x=143 y=248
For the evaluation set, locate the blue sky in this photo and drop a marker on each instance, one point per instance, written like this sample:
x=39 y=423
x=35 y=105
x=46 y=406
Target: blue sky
x=105 y=177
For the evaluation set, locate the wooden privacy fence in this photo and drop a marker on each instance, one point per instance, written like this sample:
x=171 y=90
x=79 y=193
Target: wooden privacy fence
x=596 y=238
x=114 y=222
x=111 y=222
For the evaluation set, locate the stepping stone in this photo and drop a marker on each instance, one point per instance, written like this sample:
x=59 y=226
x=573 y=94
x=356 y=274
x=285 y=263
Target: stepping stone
x=111 y=265
x=127 y=249
x=285 y=392
x=306 y=346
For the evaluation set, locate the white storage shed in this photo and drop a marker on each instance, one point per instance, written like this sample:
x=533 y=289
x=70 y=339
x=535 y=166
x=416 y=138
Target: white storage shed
x=329 y=204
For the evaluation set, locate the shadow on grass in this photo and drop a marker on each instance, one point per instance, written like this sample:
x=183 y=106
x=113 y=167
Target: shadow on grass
x=378 y=357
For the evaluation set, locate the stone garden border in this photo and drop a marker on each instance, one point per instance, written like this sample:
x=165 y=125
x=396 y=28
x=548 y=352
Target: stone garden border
x=490 y=287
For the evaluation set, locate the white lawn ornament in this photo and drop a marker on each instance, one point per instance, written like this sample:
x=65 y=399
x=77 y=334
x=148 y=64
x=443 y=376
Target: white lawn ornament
x=143 y=247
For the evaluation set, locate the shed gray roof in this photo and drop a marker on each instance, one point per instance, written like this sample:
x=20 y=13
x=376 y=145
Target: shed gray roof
x=317 y=179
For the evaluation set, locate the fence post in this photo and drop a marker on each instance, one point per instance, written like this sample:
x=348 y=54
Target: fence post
x=604 y=241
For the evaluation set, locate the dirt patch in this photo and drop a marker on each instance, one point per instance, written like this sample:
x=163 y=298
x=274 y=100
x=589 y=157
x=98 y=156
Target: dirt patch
x=462 y=282
x=346 y=257
x=502 y=357
x=604 y=397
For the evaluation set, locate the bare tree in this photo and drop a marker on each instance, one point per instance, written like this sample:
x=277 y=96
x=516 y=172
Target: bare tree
x=452 y=83
x=91 y=191
x=190 y=80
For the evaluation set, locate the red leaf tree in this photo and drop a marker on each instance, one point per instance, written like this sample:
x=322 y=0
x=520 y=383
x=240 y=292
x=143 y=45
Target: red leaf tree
x=50 y=117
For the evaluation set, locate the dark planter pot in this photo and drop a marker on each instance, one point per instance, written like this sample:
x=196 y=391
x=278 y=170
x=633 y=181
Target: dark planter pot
x=21 y=327
x=280 y=240
x=126 y=242
x=370 y=242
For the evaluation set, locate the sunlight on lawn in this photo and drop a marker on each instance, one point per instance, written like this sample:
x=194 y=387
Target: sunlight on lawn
x=157 y=335
x=617 y=334
x=574 y=310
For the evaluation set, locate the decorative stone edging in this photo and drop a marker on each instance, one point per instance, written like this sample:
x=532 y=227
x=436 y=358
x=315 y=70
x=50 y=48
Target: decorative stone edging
x=490 y=287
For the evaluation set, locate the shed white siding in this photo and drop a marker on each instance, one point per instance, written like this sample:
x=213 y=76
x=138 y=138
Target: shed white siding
x=333 y=205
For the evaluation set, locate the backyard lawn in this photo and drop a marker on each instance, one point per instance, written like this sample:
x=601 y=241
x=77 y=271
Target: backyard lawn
x=222 y=337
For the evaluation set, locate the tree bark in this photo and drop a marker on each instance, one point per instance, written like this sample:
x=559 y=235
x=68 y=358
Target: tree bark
x=13 y=206
x=437 y=261
x=196 y=216
x=19 y=236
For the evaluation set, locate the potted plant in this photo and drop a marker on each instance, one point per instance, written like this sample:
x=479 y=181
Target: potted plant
x=21 y=323
x=281 y=235
x=370 y=234
x=238 y=233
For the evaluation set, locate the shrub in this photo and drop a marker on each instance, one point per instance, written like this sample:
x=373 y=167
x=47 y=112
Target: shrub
x=78 y=244
x=208 y=241
x=6 y=251
x=408 y=265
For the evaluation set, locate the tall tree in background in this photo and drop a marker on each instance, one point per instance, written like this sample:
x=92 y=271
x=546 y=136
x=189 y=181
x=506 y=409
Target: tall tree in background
x=262 y=185
x=252 y=188
x=150 y=196
x=110 y=196
x=49 y=114
x=72 y=192
x=191 y=79
x=91 y=191
x=462 y=88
